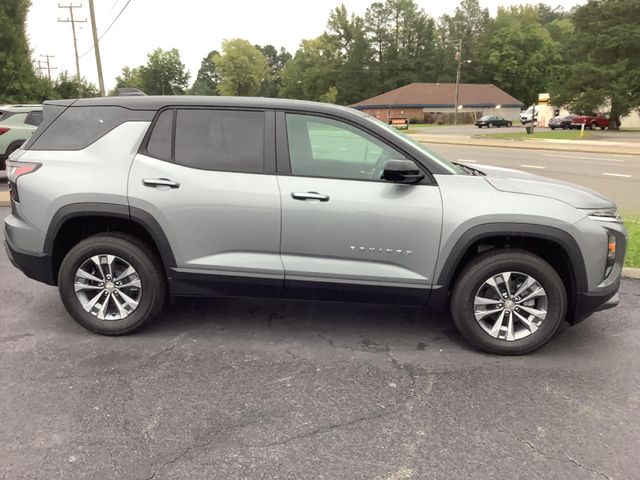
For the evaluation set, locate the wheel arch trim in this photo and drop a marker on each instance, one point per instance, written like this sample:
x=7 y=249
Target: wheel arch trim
x=111 y=210
x=520 y=230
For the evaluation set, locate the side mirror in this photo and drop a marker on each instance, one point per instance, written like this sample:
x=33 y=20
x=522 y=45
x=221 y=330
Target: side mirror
x=402 y=171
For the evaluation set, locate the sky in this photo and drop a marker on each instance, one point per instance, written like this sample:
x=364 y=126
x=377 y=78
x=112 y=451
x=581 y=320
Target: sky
x=194 y=27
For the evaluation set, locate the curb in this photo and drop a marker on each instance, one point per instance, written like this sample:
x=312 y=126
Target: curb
x=524 y=144
x=4 y=199
x=629 y=272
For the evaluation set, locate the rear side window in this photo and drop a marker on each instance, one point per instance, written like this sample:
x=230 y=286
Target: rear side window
x=159 y=145
x=226 y=140
x=34 y=118
x=79 y=127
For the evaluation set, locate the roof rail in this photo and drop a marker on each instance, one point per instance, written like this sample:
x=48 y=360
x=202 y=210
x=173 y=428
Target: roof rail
x=130 y=92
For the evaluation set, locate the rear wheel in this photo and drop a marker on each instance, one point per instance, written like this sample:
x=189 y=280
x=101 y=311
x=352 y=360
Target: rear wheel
x=508 y=302
x=111 y=284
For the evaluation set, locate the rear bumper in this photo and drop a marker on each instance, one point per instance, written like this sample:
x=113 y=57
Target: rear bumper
x=36 y=267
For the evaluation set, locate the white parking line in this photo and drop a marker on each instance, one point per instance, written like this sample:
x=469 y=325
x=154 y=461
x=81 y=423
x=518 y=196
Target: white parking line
x=617 y=175
x=534 y=166
x=466 y=160
x=585 y=158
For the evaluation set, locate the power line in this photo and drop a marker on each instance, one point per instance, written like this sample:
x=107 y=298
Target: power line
x=109 y=27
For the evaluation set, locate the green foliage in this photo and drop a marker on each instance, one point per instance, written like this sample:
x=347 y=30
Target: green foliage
x=243 y=69
x=522 y=53
x=276 y=60
x=163 y=74
x=67 y=86
x=18 y=82
x=604 y=75
x=312 y=71
x=208 y=78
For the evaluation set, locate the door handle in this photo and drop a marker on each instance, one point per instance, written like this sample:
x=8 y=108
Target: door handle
x=309 y=196
x=160 y=182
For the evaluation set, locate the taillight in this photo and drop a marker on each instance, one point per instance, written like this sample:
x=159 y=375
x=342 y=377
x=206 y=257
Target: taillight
x=4 y=130
x=15 y=170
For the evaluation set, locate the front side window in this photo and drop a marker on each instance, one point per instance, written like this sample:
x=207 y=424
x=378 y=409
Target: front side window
x=225 y=140
x=322 y=147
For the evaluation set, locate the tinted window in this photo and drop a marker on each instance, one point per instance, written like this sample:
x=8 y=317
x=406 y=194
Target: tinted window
x=160 y=140
x=78 y=127
x=34 y=118
x=321 y=147
x=225 y=140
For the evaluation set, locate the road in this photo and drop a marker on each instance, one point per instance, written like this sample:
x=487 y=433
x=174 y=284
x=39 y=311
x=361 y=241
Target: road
x=470 y=130
x=257 y=389
x=616 y=176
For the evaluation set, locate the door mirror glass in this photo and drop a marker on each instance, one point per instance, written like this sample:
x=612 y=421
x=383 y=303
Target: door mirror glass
x=402 y=171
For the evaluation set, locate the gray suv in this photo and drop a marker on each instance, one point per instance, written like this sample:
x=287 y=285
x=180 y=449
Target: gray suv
x=122 y=202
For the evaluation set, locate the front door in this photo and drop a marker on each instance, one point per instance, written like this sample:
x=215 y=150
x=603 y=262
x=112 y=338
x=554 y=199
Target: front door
x=345 y=229
x=212 y=188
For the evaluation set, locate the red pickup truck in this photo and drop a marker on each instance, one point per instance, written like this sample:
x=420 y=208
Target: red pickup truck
x=590 y=122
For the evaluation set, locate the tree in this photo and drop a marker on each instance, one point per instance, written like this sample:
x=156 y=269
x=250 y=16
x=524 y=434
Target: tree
x=242 y=67
x=522 y=53
x=312 y=71
x=276 y=60
x=67 y=86
x=605 y=73
x=130 y=78
x=402 y=38
x=208 y=78
x=472 y=25
x=163 y=74
x=348 y=37
x=18 y=82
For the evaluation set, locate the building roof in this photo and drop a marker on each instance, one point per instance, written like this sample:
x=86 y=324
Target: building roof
x=441 y=95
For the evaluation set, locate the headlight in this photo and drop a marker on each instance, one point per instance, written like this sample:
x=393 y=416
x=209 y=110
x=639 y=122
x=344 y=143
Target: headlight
x=603 y=214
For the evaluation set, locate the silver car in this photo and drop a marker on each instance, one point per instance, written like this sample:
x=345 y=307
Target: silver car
x=124 y=201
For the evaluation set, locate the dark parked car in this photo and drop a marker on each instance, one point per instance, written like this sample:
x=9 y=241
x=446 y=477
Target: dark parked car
x=561 y=122
x=492 y=121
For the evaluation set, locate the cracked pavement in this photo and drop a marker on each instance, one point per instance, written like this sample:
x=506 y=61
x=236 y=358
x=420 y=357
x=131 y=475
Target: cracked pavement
x=253 y=389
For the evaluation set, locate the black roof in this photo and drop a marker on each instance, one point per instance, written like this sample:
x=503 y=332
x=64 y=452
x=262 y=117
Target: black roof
x=153 y=102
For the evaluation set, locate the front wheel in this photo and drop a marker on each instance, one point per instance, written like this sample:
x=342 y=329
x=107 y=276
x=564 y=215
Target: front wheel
x=111 y=283
x=508 y=302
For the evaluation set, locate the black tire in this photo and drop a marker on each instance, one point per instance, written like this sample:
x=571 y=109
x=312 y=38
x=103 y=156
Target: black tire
x=593 y=126
x=552 y=128
x=484 y=267
x=139 y=256
x=509 y=124
x=10 y=149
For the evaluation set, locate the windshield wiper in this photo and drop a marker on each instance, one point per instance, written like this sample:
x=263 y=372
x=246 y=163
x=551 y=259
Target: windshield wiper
x=468 y=169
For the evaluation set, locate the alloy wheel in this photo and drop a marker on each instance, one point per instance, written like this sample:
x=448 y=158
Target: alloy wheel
x=510 y=306
x=108 y=287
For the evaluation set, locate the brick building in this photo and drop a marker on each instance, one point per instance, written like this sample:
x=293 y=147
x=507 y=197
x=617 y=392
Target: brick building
x=435 y=103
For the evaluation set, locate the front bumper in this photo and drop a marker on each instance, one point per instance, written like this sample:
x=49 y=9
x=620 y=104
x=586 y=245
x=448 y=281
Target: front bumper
x=37 y=267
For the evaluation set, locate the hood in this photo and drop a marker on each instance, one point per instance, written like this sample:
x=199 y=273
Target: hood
x=516 y=181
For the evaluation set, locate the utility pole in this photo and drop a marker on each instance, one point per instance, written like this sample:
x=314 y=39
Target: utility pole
x=73 y=22
x=96 y=47
x=458 y=57
x=48 y=67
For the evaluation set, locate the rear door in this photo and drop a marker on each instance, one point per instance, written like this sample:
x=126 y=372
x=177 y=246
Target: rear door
x=344 y=230
x=207 y=176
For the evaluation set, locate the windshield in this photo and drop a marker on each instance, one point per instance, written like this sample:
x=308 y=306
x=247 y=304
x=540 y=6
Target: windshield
x=408 y=140
x=486 y=117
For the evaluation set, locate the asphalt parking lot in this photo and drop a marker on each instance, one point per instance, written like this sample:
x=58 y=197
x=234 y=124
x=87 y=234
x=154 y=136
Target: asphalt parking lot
x=244 y=389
